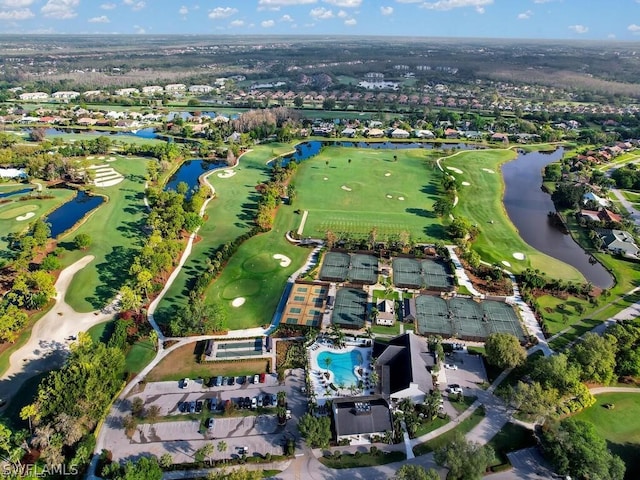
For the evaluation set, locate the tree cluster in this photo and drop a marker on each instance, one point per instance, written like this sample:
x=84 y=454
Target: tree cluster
x=272 y=192
x=627 y=177
x=465 y=460
x=315 y=430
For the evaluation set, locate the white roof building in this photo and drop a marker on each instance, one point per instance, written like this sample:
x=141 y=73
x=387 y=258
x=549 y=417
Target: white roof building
x=200 y=89
x=152 y=90
x=65 y=95
x=92 y=93
x=34 y=96
x=175 y=87
x=126 y=92
x=590 y=196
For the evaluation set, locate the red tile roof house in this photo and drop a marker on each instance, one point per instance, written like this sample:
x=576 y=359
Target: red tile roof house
x=500 y=137
x=451 y=133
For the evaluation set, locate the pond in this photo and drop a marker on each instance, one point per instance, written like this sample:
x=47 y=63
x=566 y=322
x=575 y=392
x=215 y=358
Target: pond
x=22 y=191
x=67 y=215
x=528 y=207
x=190 y=171
x=148 y=133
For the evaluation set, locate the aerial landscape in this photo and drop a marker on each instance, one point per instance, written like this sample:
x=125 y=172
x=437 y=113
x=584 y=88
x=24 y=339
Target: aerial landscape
x=320 y=239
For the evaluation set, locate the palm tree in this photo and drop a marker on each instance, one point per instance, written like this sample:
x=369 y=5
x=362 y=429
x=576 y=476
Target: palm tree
x=327 y=362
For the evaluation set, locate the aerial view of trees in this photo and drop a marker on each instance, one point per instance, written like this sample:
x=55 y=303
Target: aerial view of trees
x=504 y=350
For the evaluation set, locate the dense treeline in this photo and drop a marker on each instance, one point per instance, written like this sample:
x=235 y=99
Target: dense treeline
x=627 y=177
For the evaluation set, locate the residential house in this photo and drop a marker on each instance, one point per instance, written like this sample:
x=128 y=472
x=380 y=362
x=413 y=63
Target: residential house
x=424 y=134
x=473 y=135
x=175 y=88
x=409 y=310
x=92 y=93
x=592 y=197
x=386 y=313
x=374 y=133
x=361 y=419
x=34 y=96
x=451 y=133
x=404 y=367
x=400 y=133
x=349 y=132
x=500 y=137
x=620 y=242
x=127 y=92
x=152 y=90
x=65 y=96
x=200 y=89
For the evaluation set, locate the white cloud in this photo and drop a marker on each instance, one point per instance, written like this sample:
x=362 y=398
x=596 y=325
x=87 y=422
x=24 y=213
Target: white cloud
x=451 y=4
x=580 y=29
x=237 y=23
x=286 y=18
x=386 y=10
x=350 y=22
x=139 y=30
x=408 y=1
x=135 y=5
x=100 y=19
x=321 y=13
x=222 y=12
x=345 y=3
x=15 y=3
x=108 y=6
x=60 y=9
x=342 y=14
x=633 y=28
x=284 y=3
x=611 y=36
x=18 y=14
x=267 y=23
x=183 y=10
x=525 y=15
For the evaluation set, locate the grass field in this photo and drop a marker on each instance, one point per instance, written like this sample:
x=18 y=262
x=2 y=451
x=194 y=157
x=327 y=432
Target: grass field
x=15 y=207
x=463 y=427
x=620 y=426
x=510 y=438
x=116 y=230
x=230 y=215
x=372 y=190
x=481 y=203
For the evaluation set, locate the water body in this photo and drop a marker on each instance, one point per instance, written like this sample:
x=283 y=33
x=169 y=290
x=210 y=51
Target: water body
x=16 y=192
x=67 y=215
x=148 y=133
x=190 y=171
x=528 y=207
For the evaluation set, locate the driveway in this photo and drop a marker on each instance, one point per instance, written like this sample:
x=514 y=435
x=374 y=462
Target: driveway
x=528 y=464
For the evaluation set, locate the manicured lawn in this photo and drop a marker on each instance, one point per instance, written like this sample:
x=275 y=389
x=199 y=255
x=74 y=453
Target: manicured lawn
x=228 y=216
x=182 y=363
x=371 y=191
x=427 y=427
x=102 y=331
x=116 y=228
x=462 y=404
x=139 y=356
x=464 y=427
x=39 y=207
x=481 y=203
x=510 y=438
x=384 y=330
x=554 y=315
x=363 y=460
x=620 y=426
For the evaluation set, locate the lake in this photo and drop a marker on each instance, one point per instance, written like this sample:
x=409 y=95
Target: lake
x=67 y=215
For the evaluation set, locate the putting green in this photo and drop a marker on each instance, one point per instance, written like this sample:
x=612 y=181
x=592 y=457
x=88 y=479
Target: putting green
x=17 y=211
x=244 y=287
x=261 y=263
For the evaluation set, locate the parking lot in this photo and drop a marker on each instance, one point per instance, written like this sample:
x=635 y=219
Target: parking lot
x=469 y=373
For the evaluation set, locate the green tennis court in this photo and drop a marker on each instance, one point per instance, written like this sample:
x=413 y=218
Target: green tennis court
x=350 y=308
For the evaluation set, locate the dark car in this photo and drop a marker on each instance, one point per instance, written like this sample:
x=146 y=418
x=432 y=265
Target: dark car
x=199 y=405
x=224 y=381
x=247 y=402
x=183 y=406
x=212 y=404
x=211 y=382
x=209 y=423
x=192 y=407
x=232 y=381
x=266 y=400
x=241 y=380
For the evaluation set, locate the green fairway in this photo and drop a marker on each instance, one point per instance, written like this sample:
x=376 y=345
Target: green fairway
x=15 y=208
x=620 y=426
x=481 y=203
x=116 y=230
x=371 y=191
x=228 y=216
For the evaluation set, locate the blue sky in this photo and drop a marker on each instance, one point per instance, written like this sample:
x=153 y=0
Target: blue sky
x=556 y=19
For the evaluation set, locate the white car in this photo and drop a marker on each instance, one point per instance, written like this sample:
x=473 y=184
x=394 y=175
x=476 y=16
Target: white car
x=185 y=382
x=450 y=366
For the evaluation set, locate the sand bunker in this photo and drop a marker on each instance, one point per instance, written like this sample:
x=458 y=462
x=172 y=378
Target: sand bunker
x=326 y=178
x=454 y=169
x=227 y=174
x=387 y=174
x=90 y=158
x=466 y=184
x=518 y=255
x=284 y=260
x=111 y=159
x=238 y=302
x=101 y=158
x=389 y=196
x=26 y=216
x=505 y=263
x=345 y=188
x=488 y=170
x=401 y=199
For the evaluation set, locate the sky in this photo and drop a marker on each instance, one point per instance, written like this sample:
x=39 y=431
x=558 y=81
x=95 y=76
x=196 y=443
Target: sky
x=604 y=20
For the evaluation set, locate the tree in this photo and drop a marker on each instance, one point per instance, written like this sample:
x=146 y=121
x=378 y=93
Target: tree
x=137 y=406
x=575 y=448
x=535 y=400
x=596 y=356
x=144 y=467
x=221 y=446
x=465 y=460
x=298 y=101
x=504 y=350
x=82 y=241
x=416 y=472
x=129 y=299
x=204 y=452
x=152 y=414
x=460 y=228
x=166 y=460
x=315 y=431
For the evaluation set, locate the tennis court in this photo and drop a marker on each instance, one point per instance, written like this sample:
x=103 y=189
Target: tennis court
x=363 y=269
x=335 y=267
x=465 y=319
x=350 y=308
x=435 y=274
x=428 y=273
x=407 y=273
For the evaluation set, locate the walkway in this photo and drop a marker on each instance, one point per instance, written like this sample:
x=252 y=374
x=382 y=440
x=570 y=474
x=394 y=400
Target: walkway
x=48 y=344
x=461 y=275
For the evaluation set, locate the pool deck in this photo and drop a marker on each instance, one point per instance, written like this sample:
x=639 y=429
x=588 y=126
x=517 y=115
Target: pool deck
x=319 y=381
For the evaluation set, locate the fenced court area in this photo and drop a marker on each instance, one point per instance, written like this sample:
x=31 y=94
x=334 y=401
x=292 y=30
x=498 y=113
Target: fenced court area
x=427 y=273
x=350 y=308
x=355 y=267
x=465 y=318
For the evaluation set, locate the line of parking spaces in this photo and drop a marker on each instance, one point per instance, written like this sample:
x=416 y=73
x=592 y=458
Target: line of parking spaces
x=467 y=372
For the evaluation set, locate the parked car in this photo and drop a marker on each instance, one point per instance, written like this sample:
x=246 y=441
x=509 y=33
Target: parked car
x=183 y=406
x=243 y=450
x=288 y=414
x=256 y=378
x=241 y=380
x=224 y=381
x=450 y=366
x=232 y=381
x=260 y=401
x=266 y=400
x=199 y=405
x=209 y=423
x=247 y=402
x=455 y=389
x=213 y=404
x=218 y=380
x=262 y=377
x=254 y=403
x=185 y=383
x=192 y=407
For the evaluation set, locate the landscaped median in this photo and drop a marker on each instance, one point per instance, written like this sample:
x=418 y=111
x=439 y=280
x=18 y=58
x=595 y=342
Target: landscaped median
x=358 y=459
x=463 y=428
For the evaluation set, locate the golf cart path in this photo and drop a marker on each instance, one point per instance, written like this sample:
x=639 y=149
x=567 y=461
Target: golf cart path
x=49 y=341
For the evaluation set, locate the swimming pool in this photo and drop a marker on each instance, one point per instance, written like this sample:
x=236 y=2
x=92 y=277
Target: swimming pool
x=342 y=365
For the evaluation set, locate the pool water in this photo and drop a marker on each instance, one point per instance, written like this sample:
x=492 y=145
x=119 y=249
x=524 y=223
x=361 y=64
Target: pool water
x=342 y=365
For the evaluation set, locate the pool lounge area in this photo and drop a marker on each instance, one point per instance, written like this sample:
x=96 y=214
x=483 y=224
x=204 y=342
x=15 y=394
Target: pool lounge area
x=340 y=372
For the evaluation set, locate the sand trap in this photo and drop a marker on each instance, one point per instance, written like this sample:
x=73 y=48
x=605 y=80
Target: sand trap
x=401 y=199
x=26 y=216
x=387 y=174
x=90 y=158
x=326 y=178
x=238 y=302
x=518 y=255
x=109 y=183
x=227 y=174
x=101 y=158
x=345 y=188
x=454 y=169
x=284 y=260
x=466 y=184
x=505 y=263
x=111 y=159
x=488 y=170
x=389 y=196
